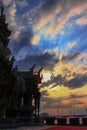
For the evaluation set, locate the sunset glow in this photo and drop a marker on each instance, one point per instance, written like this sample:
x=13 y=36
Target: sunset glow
x=52 y=34
x=46 y=77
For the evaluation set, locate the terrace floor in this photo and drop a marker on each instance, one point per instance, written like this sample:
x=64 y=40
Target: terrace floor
x=67 y=128
x=50 y=128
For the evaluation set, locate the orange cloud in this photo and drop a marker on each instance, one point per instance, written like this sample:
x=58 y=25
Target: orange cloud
x=68 y=71
x=35 y=39
x=50 y=24
x=12 y=11
x=6 y=2
x=81 y=21
x=46 y=19
x=76 y=10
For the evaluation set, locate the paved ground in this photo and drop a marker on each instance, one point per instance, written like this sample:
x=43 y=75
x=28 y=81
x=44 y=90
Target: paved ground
x=50 y=128
x=67 y=128
x=34 y=128
x=31 y=128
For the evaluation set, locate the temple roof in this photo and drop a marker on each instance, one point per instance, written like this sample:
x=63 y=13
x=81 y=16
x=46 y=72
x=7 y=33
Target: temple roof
x=25 y=74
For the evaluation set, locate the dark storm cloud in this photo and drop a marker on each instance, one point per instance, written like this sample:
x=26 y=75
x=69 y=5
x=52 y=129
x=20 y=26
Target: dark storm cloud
x=23 y=40
x=70 y=57
x=58 y=80
x=77 y=82
x=46 y=60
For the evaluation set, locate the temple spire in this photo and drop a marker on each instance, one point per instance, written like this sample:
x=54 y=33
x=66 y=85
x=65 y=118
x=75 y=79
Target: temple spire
x=5 y=33
x=2 y=11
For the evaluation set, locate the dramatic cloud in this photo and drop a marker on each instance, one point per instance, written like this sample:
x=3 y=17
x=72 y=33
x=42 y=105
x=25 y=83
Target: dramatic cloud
x=82 y=21
x=46 y=59
x=35 y=39
x=24 y=40
x=55 y=14
x=66 y=77
x=11 y=14
x=51 y=34
x=6 y=2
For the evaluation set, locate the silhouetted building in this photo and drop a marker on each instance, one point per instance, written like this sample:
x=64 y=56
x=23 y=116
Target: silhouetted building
x=17 y=88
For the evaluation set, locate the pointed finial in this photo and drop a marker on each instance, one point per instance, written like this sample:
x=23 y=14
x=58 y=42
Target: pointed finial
x=32 y=68
x=40 y=70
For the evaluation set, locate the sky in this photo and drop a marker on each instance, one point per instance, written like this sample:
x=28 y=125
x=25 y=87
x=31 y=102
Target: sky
x=52 y=34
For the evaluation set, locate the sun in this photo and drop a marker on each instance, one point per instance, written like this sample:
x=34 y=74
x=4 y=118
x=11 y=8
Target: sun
x=46 y=77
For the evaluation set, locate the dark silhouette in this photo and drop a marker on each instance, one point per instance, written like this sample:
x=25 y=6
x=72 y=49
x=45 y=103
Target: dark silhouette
x=17 y=88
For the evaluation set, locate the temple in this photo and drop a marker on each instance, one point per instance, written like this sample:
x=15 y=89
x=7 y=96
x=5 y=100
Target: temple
x=19 y=91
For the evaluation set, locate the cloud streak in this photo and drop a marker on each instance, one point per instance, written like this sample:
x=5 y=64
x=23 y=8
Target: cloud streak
x=56 y=14
x=52 y=34
x=46 y=59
